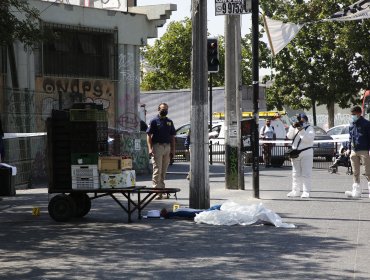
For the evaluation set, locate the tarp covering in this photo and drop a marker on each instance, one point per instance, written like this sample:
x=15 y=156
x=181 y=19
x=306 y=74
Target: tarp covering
x=232 y=213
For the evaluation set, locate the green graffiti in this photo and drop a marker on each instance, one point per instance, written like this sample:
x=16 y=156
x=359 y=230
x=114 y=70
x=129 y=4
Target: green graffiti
x=134 y=145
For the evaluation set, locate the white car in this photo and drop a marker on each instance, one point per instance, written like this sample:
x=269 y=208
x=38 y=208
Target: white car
x=341 y=134
x=217 y=136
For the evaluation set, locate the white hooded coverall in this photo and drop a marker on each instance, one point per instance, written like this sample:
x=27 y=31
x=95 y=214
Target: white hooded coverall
x=302 y=165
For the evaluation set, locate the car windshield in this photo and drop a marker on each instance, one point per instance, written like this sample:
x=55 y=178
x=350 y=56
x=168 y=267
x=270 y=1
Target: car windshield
x=319 y=131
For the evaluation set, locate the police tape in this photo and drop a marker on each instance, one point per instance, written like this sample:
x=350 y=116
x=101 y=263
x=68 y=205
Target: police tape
x=22 y=135
x=340 y=141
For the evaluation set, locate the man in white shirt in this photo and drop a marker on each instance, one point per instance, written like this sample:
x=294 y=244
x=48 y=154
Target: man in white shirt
x=267 y=132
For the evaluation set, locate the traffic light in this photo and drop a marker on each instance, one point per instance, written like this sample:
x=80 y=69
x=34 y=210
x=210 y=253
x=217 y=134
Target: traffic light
x=212 y=55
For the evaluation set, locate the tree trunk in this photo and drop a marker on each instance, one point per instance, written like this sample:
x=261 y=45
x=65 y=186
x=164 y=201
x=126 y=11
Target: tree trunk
x=13 y=66
x=330 y=107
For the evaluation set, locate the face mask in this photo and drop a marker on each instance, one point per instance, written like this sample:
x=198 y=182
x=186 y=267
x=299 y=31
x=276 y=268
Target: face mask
x=354 y=118
x=163 y=113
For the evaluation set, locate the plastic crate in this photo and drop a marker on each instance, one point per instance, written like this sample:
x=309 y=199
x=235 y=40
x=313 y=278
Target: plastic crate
x=85 y=183
x=84 y=115
x=84 y=158
x=84 y=170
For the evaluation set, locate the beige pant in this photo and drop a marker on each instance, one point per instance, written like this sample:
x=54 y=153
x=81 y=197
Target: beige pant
x=356 y=159
x=161 y=160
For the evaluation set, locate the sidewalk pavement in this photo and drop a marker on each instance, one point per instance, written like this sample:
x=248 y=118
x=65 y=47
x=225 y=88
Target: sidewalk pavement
x=331 y=240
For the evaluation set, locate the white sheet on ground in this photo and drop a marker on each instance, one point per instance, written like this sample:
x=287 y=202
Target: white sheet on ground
x=232 y=213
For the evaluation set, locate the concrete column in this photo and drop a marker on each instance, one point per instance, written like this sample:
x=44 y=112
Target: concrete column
x=128 y=88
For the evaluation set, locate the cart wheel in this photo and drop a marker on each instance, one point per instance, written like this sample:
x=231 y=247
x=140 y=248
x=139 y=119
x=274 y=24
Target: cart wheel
x=82 y=202
x=61 y=208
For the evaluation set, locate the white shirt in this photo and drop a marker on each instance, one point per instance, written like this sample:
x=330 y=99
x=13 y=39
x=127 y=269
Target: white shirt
x=267 y=132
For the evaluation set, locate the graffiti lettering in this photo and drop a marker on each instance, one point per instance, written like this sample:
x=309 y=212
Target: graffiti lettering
x=95 y=87
x=98 y=89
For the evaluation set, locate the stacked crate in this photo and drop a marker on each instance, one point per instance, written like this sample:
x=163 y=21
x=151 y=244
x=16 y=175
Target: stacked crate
x=85 y=177
x=59 y=150
x=89 y=138
x=115 y=172
x=75 y=140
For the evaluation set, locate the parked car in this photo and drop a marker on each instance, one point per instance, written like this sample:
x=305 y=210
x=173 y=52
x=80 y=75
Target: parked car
x=327 y=149
x=180 y=137
x=339 y=132
x=217 y=137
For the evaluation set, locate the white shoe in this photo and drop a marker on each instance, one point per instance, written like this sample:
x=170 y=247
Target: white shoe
x=356 y=191
x=305 y=195
x=293 y=194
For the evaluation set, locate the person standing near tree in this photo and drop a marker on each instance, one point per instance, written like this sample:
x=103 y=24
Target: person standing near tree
x=161 y=145
x=359 y=146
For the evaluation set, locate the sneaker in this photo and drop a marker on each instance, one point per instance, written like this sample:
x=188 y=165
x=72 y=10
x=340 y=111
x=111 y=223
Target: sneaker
x=293 y=194
x=159 y=196
x=305 y=195
x=356 y=191
x=353 y=194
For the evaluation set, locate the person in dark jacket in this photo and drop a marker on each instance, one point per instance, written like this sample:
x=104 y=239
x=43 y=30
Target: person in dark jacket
x=359 y=146
x=161 y=145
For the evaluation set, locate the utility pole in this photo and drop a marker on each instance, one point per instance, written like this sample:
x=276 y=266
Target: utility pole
x=199 y=167
x=232 y=112
x=255 y=79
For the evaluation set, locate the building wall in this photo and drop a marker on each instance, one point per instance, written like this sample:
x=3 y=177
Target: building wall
x=28 y=107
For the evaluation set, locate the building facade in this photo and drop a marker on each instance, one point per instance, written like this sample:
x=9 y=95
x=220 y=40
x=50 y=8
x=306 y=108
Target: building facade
x=94 y=56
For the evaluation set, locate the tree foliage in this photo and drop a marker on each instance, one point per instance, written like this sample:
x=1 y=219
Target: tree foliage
x=169 y=59
x=327 y=61
x=18 y=21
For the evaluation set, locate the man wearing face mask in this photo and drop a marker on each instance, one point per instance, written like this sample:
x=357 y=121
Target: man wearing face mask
x=161 y=145
x=303 y=136
x=359 y=146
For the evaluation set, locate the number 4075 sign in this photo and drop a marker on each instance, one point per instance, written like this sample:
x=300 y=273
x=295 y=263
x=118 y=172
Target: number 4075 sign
x=232 y=7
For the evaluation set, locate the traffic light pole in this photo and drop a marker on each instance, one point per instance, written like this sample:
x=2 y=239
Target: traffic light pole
x=255 y=78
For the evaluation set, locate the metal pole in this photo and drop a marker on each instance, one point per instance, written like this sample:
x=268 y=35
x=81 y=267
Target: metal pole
x=210 y=118
x=238 y=104
x=199 y=196
x=255 y=78
x=231 y=124
x=210 y=102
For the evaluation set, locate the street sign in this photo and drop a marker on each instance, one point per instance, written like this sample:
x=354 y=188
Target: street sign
x=232 y=7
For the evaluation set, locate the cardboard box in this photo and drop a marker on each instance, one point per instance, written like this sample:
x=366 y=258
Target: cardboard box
x=127 y=163
x=125 y=179
x=111 y=165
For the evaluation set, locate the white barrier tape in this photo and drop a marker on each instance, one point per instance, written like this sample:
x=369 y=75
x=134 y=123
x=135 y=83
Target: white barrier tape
x=290 y=141
x=20 y=135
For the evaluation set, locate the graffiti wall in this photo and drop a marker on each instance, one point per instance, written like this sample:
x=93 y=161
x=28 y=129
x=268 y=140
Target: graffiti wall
x=128 y=87
x=76 y=90
x=134 y=144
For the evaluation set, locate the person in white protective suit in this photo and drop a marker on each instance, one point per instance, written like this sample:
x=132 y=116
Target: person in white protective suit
x=303 y=135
